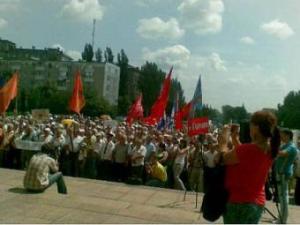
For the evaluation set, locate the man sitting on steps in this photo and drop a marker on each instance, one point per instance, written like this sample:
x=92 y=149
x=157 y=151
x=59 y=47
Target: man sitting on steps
x=42 y=172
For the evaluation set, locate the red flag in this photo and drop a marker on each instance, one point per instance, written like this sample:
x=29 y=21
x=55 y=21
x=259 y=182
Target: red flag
x=136 y=110
x=8 y=92
x=158 y=108
x=77 y=100
x=198 y=126
x=179 y=116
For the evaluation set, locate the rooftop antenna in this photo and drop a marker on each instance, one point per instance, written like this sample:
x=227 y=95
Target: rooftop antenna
x=93 y=34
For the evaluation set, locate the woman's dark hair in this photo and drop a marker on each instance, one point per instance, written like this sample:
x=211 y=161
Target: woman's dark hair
x=267 y=125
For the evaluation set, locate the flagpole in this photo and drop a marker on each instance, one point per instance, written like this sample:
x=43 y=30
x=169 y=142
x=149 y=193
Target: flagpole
x=17 y=97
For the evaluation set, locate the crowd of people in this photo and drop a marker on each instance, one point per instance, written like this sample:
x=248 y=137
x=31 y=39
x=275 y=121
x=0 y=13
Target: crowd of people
x=85 y=147
x=141 y=154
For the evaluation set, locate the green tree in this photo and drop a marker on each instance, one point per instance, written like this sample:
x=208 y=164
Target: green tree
x=108 y=55
x=125 y=96
x=213 y=114
x=234 y=114
x=289 y=113
x=88 y=53
x=150 y=83
x=5 y=76
x=96 y=106
x=98 y=55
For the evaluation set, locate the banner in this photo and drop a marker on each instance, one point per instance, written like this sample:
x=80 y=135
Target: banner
x=198 y=126
x=28 y=145
x=40 y=114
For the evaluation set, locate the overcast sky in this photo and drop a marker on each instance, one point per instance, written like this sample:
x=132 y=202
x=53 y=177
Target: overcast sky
x=248 y=52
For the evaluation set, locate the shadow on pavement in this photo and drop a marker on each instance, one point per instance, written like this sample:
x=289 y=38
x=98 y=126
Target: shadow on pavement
x=19 y=190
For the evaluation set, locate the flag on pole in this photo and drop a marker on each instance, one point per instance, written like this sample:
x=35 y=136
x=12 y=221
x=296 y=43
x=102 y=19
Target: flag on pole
x=162 y=124
x=136 y=110
x=197 y=99
x=158 y=108
x=8 y=92
x=77 y=100
x=197 y=125
x=175 y=107
x=180 y=115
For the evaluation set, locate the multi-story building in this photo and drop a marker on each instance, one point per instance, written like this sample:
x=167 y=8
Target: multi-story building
x=38 y=69
x=9 y=51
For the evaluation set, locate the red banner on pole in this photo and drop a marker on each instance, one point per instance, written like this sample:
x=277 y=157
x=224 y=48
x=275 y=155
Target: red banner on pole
x=198 y=126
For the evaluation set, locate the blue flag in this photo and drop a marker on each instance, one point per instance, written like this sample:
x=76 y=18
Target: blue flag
x=2 y=82
x=162 y=123
x=197 y=99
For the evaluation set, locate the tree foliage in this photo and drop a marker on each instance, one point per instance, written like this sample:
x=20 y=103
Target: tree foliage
x=96 y=106
x=98 y=55
x=88 y=53
x=235 y=114
x=48 y=97
x=108 y=55
x=125 y=93
x=289 y=113
x=5 y=76
x=213 y=114
x=150 y=83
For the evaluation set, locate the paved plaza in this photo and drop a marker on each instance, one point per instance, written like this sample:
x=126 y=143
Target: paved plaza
x=94 y=201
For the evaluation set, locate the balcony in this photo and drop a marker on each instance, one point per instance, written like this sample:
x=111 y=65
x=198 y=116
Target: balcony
x=39 y=77
x=88 y=79
x=62 y=88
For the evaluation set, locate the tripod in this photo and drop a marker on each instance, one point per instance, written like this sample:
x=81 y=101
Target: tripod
x=274 y=193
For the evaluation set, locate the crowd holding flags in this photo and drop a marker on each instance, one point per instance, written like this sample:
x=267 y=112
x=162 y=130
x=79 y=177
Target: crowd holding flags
x=157 y=116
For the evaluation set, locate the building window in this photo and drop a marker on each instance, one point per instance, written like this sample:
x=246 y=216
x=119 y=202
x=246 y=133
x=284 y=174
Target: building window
x=88 y=74
x=62 y=84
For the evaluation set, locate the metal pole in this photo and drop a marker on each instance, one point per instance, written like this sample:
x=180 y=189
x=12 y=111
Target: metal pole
x=197 y=195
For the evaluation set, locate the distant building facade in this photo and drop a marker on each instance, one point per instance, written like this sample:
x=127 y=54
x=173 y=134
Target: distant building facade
x=134 y=74
x=51 y=66
x=9 y=51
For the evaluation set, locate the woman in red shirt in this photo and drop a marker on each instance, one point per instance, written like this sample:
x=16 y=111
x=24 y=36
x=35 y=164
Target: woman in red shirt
x=247 y=169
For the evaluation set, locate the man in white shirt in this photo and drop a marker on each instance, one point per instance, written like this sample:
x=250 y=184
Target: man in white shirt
x=137 y=159
x=120 y=154
x=100 y=141
x=106 y=157
x=74 y=139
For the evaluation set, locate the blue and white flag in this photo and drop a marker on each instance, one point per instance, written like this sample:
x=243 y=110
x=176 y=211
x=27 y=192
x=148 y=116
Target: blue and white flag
x=197 y=99
x=162 y=123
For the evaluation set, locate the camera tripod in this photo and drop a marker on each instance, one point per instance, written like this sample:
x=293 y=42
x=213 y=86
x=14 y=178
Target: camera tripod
x=273 y=193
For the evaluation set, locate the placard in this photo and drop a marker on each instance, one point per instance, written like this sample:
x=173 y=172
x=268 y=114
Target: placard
x=198 y=126
x=40 y=114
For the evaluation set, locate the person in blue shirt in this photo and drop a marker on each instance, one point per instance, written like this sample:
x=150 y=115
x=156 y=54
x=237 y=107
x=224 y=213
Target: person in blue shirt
x=284 y=171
